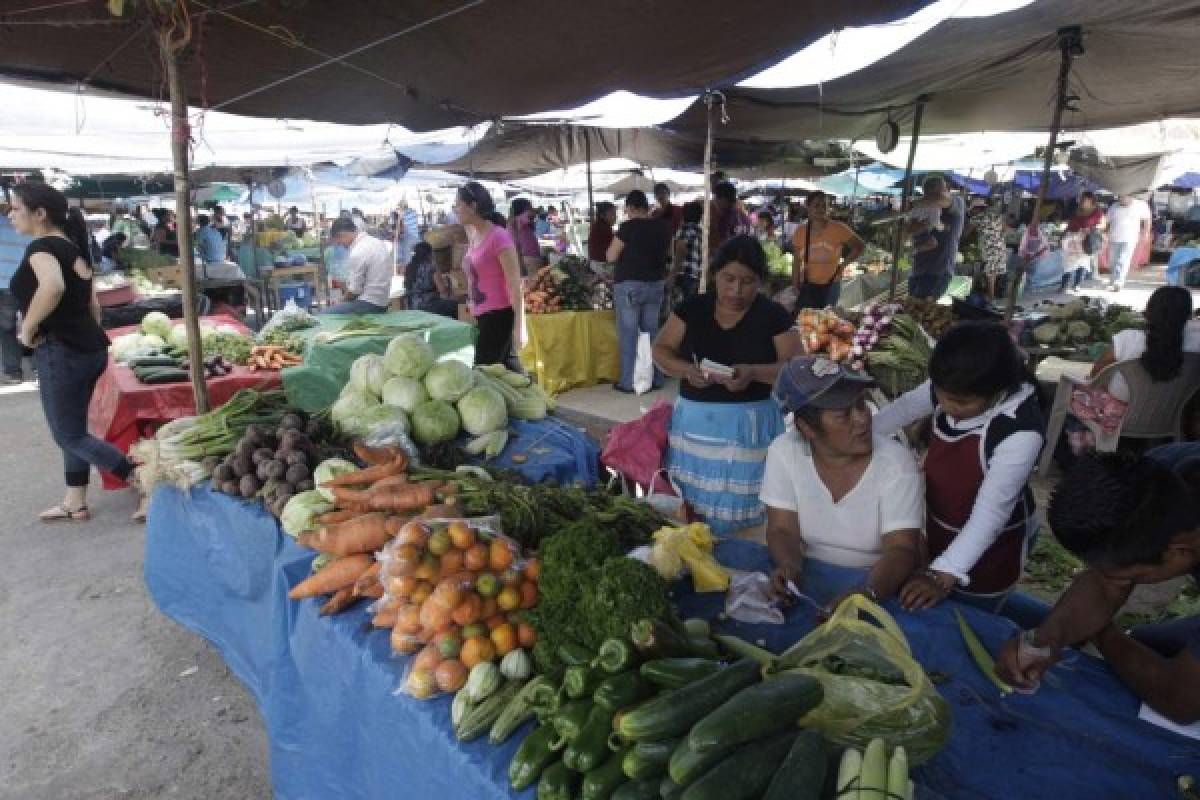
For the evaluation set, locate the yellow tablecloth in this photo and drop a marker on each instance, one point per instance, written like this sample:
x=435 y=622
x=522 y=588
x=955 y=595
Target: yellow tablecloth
x=572 y=349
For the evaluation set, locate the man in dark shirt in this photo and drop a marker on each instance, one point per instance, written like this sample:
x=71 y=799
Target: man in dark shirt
x=600 y=235
x=1132 y=521
x=665 y=209
x=640 y=253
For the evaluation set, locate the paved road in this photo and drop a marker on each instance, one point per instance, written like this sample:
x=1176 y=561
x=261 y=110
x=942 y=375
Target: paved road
x=96 y=705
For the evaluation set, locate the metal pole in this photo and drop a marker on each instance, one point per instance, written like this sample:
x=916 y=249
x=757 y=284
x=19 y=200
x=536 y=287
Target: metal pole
x=707 y=220
x=587 y=154
x=1070 y=43
x=906 y=194
x=322 y=271
x=180 y=136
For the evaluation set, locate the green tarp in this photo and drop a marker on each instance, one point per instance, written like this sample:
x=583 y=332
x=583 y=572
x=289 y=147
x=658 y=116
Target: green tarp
x=326 y=369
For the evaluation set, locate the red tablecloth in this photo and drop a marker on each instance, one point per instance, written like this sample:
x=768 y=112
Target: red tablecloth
x=124 y=410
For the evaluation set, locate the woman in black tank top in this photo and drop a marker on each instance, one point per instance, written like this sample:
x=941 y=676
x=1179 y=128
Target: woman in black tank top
x=60 y=319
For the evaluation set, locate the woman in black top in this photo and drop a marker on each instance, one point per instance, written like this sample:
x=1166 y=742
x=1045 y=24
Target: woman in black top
x=723 y=424
x=61 y=321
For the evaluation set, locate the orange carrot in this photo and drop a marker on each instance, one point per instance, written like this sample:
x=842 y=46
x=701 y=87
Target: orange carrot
x=384 y=619
x=337 y=574
x=371 y=474
x=363 y=534
x=410 y=498
x=352 y=499
x=366 y=580
x=332 y=517
x=374 y=591
x=339 y=602
x=375 y=456
x=448 y=510
x=389 y=483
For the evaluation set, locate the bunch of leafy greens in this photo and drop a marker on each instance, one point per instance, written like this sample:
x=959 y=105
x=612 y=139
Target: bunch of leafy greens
x=590 y=592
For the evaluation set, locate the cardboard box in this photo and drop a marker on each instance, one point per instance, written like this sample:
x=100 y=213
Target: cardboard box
x=171 y=277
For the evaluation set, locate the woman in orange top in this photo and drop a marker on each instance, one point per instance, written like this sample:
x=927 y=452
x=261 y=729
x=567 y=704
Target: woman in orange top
x=820 y=245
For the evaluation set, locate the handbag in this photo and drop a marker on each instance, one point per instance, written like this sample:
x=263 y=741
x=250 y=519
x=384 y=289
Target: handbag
x=637 y=449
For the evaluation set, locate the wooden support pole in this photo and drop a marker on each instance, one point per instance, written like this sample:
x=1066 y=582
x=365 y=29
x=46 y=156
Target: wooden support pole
x=587 y=154
x=706 y=222
x=180 y=139
x=1070 y=44
x=906 y=195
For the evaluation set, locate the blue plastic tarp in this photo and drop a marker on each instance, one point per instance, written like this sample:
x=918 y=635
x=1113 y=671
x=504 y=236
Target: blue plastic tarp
x=222 y=568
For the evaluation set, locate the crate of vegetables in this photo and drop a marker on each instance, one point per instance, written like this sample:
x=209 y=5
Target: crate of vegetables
x=823 y=331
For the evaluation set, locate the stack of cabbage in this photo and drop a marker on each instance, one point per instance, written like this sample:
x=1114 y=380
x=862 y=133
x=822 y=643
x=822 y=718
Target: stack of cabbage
x=159 y=334
x=404 y=391
x=1082 y=321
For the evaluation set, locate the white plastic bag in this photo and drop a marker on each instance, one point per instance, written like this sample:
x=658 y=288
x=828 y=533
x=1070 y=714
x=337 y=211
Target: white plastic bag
x=643 y=370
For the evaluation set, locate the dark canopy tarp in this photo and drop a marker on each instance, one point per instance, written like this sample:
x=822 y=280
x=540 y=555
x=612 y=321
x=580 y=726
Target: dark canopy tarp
x=512 y=151
x=426 y=64
x=996 y=73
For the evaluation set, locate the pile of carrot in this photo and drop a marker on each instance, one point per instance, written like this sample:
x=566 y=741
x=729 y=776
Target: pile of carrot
x=371 y=506
x=272 y=357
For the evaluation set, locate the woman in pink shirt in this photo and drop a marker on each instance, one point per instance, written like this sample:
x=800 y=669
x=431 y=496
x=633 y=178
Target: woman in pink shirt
x=493 y=275
x=520 y=227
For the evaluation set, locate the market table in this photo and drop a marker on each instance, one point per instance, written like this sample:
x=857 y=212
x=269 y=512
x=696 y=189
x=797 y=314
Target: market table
x=315 y=385
x=572 y=349
x=123 y=409
x=222 y=568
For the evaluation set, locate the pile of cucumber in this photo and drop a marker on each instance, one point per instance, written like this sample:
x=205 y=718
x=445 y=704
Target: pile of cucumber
x=174 y=368
x=628 y=725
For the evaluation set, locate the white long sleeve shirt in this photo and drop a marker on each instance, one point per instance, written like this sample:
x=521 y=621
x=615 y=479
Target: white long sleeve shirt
x=369 y=270
x=1005 y=473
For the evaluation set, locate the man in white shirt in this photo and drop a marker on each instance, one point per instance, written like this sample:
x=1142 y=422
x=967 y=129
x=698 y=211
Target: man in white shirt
x=1128 y=222
x=368 y=271
x=833 y=492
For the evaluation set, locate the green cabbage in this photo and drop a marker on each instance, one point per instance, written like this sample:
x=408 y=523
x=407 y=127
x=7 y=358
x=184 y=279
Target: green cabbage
x=434 y=421
x=390 y=418
x=178 y=337
x=299 y=513
x=405 y=393
x=327 y=469
x=157 y=323
x=482 y=410
x=408 y=356
x=367 y=374
x=351 y=409
x=449 y=381
x=153 y=340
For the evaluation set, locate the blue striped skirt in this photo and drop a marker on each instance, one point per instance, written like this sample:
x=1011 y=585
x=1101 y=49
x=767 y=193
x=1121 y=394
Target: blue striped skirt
x=716 y=457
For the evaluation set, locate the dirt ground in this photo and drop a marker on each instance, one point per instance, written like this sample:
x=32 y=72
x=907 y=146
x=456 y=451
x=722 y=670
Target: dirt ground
x=104 y=698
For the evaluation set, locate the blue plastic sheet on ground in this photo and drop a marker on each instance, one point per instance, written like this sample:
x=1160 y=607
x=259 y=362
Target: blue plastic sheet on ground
x=222 y=568
x=550 y=449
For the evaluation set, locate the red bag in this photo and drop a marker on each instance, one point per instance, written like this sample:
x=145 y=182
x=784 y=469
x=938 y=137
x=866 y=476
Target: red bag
x=637 y=449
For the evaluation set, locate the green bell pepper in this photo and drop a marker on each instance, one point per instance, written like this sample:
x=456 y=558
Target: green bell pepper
x=622 y=691
x=615 y=655
x=591 y=745
x=571 y=718
x=557 y=783
x=536 y=751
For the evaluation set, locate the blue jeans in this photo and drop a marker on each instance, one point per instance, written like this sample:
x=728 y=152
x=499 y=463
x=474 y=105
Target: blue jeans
x=10 y=349
x=68 y=377
x=638 y=305
x=355 y=307
x=1120 y=256
x=931 y=285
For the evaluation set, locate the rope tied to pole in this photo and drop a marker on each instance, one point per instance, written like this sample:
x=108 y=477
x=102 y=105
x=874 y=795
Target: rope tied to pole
x=712 y=100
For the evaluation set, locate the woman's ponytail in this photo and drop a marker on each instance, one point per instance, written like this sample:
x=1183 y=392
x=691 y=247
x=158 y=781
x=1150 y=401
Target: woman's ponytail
x=76 y=230
x=1167 y=313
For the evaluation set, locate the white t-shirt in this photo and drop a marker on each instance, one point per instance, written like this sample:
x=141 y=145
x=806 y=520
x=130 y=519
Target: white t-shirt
x=369 y=270
x=1131 y=343
x=1125 y=222
x=889 y=497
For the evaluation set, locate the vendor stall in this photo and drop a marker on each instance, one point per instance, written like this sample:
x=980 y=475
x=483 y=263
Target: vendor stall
x=123 y=409
x=324 y=685
x=572 y=349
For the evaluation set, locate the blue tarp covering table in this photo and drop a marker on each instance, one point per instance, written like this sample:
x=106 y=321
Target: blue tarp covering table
x=324 y=686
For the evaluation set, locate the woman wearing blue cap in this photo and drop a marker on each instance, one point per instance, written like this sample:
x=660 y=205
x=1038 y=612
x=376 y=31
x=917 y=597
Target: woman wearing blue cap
x=726 y=347
x=834 y=492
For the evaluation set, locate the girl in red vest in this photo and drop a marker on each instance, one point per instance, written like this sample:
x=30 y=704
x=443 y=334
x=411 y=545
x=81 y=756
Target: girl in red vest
x=987 y=432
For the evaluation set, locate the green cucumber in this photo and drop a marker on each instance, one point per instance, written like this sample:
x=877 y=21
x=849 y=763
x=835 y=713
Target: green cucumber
x=557 y=783
x=152 y=361
x=802 y=774
x=637 y=790
x=757 y=711
x=669 y=789
x=687 y=765
x=675 y=673
x=601 y=782
x=674 y=713
x=648 y=759
x=745 y=773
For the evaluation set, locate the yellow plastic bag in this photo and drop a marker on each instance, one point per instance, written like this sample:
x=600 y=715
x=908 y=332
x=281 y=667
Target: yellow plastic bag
x=691 y=545
x=873 y=685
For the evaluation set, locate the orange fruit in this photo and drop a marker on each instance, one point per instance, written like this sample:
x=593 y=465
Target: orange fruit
x=421 y=593
x=476 y=557
x=421 y=683
x=486 y=584
x=451 y=674
x=439 y=542
x=477 y=650
x=489 y=608
x=448 y=643
x=510 y=577
x=448 y=594
x=408 y=619
x=428 y=658
x=461 y=534
x=468 y=610
x=529 y=594
x=533 y=569
x=435 y=616
x=405 y=560
x=404 y=642
x=402 y=586
x=428 y=569
x=413 y=533
x=495 y=621
x=526 y=635
x=509 y=598
x=452 y=562
x=504 y=638
x=500 y=556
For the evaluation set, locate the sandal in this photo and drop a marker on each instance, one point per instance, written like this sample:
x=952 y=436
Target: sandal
x=64 y=514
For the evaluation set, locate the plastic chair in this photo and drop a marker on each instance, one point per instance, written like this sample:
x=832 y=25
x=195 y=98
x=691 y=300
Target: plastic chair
x=1155 y=409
